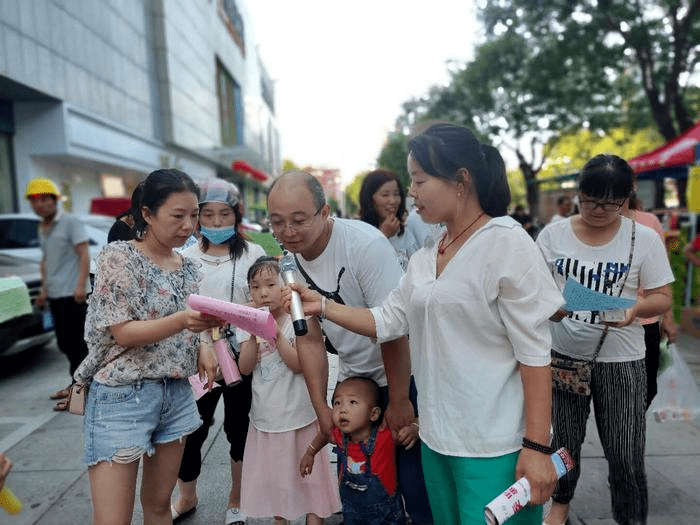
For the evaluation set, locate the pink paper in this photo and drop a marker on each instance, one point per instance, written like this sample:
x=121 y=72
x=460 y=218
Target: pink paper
x=199 y=387
x=252 y=320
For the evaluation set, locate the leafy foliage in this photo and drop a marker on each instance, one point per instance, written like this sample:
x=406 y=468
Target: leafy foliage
x=393 y=157
x=568 y=153
x=352 y=191
x=620 y=51
x=556 y=81
x=289 y=165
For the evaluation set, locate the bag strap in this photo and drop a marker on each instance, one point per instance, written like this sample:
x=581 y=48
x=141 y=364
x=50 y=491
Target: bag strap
x=624 y=280
x=629 y=260
x=600 y=344
x=233 y=277
x=333 y=296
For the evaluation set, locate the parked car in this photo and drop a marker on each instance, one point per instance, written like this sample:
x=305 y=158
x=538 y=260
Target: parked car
x=247 y=224
x=19 y=235
x=20 y=255
x=30 y=330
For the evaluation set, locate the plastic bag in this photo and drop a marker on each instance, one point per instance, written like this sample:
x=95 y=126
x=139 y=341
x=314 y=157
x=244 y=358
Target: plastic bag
x=678 y=396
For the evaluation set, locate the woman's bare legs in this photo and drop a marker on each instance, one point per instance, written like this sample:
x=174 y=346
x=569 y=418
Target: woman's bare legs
x=113 y=491
x=159 y=478
x=234 y=497
x=313 y=519
x=187 y=498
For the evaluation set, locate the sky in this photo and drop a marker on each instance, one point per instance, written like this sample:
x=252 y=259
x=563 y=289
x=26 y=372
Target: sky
x=343 y=69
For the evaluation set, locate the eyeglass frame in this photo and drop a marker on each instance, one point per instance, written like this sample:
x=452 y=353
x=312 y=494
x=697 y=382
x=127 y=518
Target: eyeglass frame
x=592 y=204
x=301 y=225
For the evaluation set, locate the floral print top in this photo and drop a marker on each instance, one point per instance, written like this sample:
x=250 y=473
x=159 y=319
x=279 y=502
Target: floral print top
x=130 y=287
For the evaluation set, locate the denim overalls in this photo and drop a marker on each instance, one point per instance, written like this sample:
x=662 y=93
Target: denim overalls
x=365 y=500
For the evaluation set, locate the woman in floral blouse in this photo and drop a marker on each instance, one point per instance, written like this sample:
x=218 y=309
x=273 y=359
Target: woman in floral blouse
x=142 y=348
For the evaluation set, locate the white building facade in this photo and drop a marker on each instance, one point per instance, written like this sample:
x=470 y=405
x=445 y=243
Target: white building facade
x=96 y=94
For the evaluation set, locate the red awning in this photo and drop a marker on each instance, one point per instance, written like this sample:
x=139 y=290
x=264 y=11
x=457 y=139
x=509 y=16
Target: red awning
x=678 y=152
x=259 y=174
x=112 y=206
x=241 y=165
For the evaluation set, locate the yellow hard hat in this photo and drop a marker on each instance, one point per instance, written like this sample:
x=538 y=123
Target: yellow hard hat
x=41 y=186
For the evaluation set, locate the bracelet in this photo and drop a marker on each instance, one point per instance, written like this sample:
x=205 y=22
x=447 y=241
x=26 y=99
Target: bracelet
x=532 y=445
x=323 y=308
x=311 y=446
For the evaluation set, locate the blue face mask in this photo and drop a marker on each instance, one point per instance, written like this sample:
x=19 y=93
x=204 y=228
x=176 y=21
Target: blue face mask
x=218 y=235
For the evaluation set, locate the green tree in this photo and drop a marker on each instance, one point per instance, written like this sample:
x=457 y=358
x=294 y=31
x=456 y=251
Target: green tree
x=333 y=204
x=352 y=194
x=639 y=59
x=351 y=206
x=393 y=156
x=568 y=153
x=516 y=183
x=289 y=165
x=489 y=95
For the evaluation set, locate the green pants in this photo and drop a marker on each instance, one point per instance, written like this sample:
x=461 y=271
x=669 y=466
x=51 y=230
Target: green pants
x=459 y=488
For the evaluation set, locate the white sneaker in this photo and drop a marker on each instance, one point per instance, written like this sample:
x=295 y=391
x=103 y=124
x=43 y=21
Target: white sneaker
x=234 y=515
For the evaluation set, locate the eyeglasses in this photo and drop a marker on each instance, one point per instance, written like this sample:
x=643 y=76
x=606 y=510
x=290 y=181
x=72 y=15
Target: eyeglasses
x=592 y=204
x=296 y=225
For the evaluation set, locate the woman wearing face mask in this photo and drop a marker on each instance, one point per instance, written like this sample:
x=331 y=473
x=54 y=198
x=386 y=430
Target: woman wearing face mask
x=225 y=256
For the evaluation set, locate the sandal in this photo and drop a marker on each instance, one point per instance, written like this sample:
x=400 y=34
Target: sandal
x=61 y=406
x=60 y=394
x=234 y=516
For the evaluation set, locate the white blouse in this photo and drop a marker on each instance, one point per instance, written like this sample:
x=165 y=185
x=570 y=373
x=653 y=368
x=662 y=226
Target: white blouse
x=469 y=329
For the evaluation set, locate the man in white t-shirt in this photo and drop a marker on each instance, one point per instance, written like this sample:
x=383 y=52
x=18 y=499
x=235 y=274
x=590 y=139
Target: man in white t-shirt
x=353 y=262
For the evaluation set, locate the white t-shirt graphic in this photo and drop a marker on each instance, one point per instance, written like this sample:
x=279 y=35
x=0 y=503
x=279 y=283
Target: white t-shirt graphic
x=602 y=268
x=370 y=270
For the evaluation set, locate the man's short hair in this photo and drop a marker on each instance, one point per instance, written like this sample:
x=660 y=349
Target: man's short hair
x=312 y=184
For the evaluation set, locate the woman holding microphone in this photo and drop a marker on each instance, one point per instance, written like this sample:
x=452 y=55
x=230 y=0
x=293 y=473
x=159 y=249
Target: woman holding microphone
x=478 y=304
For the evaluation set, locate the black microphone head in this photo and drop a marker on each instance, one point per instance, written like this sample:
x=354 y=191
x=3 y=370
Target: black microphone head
x=300 y=327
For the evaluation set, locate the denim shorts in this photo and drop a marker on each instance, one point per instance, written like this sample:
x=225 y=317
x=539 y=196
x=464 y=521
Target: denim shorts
x=122 y=423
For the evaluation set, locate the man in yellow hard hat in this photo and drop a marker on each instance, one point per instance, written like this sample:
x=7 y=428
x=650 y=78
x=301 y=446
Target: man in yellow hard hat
x=65 y=273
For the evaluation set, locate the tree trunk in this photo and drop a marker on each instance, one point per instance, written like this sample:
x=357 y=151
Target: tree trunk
x=533 y=198
x=532 y=189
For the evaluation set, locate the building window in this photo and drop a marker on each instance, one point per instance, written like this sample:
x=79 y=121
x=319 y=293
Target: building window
x=267 y=88
x=7 y=180
x=229 y=13
x=229 y=93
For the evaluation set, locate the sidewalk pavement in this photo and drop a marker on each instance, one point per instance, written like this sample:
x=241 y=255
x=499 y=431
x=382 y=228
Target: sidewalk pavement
x=49 y=478
x=672 y=462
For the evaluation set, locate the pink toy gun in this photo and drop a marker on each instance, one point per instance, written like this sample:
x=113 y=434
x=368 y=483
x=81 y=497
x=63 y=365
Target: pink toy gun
x=227 y=364
x=252 y=320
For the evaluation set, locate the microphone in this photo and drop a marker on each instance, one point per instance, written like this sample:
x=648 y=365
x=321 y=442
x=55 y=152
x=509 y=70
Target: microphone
x=288 y=270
